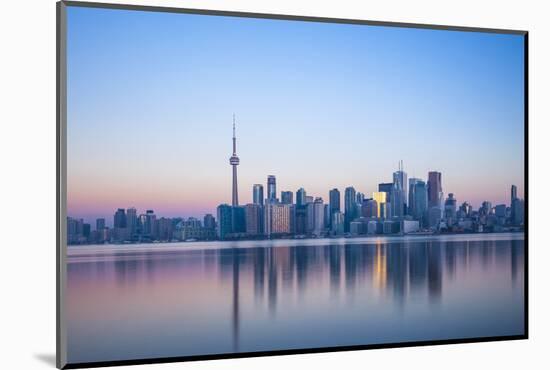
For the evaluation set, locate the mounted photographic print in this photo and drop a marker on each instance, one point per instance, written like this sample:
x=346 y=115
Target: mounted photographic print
x=235 y=184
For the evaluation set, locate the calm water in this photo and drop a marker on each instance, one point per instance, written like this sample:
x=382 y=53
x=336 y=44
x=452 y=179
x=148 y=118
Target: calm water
x=162 y=300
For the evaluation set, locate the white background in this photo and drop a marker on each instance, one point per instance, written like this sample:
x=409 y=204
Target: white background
x=27 y=185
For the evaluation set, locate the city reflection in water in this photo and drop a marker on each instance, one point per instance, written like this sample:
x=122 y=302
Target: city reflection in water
x=147 y=301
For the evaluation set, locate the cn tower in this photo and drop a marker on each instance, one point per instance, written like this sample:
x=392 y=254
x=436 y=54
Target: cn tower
x=234 y=162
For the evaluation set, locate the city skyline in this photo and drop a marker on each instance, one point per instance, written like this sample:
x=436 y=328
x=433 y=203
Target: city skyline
x=279 y=192
x=340 y=113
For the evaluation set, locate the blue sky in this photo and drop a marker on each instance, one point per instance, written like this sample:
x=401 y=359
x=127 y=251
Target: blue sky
x=151 y=98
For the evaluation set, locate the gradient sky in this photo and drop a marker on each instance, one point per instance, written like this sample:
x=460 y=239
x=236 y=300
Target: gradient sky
x=151 y=98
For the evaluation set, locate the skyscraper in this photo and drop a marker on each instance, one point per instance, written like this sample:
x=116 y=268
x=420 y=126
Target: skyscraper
x=350 y=207
x=513 y=194
x=399 y=191
x=254 y=218
x=209 y=222
x=418 y=200
x=277 y=219
x=258 y=194
x=131 y=220
x=301 y=197
x=466 y=209
x=334 y=202
x=486 y=208
x=450 y=209
x=100 y=224
x=120 y=218
x=380 y=198
x=225 y=220
x=327 y=214
x=271 y=189
x=518 y=212
x=370 y=208
x=287 y=197
x=435 y=189
x=239 y=221
x=386 y=187
x=337 y=223
x=234 y=162
x=150 y=221
x=319 y=217
x=412 y=184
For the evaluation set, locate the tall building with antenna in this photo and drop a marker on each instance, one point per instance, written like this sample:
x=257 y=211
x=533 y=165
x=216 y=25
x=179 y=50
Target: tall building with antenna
x=234 y=162
x=399 y=191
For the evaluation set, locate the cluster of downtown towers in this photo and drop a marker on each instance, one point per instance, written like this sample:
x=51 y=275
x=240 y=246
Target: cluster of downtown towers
x=394 y=209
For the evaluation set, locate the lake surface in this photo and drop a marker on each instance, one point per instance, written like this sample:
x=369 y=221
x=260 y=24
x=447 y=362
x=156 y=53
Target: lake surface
x=182 y=299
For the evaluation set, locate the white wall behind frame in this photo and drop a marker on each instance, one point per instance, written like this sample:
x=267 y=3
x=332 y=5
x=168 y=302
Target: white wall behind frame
x=27 y=188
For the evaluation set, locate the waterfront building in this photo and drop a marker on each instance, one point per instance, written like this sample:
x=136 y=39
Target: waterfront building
x=450 y=209
x=356 y=228
x=400 y=181
x=372 y=227
x=518 y=211
x=486 y=208
x=385 y=210
x=225 y=221
x=466 y=209
x=350 y=208
x=277 y=219
x=292 y=218
x=397 y=199
x=301 y=197
x=149 y=224
x=120 y=231
x=239 y=220
x=418 y=200
x=132 y=221
x=100 y=224
x=337 y=223
x=310 y=217
x=287 y=197
x=386 y=187
x=369 y=208
x=435 y=189
x=165 y=229
x=391 y=227
x=271 y=189
x=513 y=194
x=327 y=215
x=380 y=198
x=192 y=229
x=409 y=226
x=74 y=230
x=258 y=194
x=254 y=219
x=119 y=219
x=319 y=217
x=500 y=211
x=209 y=222
x=300 y=221
x=434 y=217
x=334 y=202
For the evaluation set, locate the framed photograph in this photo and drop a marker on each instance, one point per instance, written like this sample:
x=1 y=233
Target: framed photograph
x=234 y=184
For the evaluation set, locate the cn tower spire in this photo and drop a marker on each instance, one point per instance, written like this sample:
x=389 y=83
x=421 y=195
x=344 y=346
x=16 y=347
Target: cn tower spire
x=234 y=137
x=234 y=162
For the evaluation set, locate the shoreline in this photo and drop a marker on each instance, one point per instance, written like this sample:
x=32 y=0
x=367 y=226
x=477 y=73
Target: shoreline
x=76 y=250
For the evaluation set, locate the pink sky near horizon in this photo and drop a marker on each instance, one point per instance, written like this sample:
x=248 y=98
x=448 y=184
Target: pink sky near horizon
x=89 y=201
